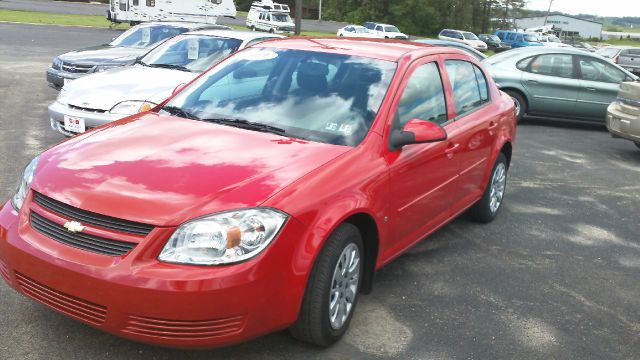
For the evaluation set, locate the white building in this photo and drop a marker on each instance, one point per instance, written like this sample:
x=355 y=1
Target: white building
x=564 y=26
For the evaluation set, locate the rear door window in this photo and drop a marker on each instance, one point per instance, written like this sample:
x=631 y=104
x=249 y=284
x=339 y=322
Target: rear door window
x=559 y=65
x=467 y=91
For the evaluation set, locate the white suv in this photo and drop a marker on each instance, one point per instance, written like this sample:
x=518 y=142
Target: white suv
x=274 y=22
x=385 y=31
x=465 y=37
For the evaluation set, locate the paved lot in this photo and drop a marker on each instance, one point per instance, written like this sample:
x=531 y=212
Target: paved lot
x=554 y=277
x=63 y=7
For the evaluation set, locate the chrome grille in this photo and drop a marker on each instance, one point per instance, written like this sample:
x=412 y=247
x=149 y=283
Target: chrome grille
x=76 y=68
x=81 y=241
x=91 y=218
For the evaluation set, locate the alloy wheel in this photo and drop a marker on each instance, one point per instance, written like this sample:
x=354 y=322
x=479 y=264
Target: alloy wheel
x=498 y=184
x=344 y=286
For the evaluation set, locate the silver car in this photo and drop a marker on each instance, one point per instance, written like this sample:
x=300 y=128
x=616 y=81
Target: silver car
x=110 y=95
x=564 y=83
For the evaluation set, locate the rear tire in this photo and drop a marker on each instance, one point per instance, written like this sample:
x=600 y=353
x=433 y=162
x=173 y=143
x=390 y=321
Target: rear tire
x=271 y=31
x=332 y=290
x=487 y=208
x=520 y=102
x=253 y=28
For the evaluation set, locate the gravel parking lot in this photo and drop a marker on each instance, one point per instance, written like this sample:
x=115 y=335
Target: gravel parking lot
x=554 y=277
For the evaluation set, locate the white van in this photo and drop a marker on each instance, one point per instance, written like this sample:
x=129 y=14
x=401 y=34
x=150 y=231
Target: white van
x=465 y=37
x=137 y=11
x=272 y=17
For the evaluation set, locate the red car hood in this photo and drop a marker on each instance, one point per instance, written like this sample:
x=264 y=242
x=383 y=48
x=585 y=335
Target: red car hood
x=164 y=170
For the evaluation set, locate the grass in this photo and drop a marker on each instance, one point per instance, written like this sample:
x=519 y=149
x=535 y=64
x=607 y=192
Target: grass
x=34 y=17
x=623 y=42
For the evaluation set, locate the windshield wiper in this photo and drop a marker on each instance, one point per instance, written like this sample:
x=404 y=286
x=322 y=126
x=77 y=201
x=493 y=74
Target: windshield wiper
x=248 y=125
x=174 y=110
x=170 y=66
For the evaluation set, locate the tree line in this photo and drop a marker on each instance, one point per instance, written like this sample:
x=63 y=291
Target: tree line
x=417 y=17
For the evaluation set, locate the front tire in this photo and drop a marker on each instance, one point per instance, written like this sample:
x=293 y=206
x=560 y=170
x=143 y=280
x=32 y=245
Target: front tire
x=520 y=103
x=253 y=28
x=487 y=208
x=332 y=290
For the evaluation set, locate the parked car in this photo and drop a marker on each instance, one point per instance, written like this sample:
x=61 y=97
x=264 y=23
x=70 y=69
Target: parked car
x=270 y=17
x=584 y=46
x=493 y=42
x=136 y=11
x=385 y=31
x=558 y=82
x=517 y=39
x=107 y=96
x=263 y=195
x=123 y=50
x=473 y=52
x=552 y=41
x=356 y=31
x=623 y=115
x=465 y=37
x=626 y=56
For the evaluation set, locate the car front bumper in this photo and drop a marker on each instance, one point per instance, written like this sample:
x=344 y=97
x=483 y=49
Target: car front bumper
x=92 y=119
x=56 y=78
x=621 y=124
x=137 y=297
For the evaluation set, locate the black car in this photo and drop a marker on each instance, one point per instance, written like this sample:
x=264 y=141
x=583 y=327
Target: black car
x=123 y=50
x=494 y=43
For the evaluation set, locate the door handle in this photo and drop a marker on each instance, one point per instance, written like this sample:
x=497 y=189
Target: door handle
x=451 y=150
x=492 y=125
x=591 y=89
x=532 y=81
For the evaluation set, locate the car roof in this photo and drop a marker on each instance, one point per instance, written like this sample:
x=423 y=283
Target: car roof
x=456 y=44
x=187 y=24
x=532 y=50
x=235 y=34
x=382 y=49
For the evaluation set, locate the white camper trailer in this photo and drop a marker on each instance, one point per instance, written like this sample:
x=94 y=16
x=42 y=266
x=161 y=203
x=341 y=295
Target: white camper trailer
x=265 y=15
x=137 y=11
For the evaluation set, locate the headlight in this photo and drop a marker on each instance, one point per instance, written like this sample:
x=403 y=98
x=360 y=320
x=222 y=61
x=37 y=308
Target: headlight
x=223 y=238
x=104 y=67
x=25 y=182
x=63 y=97
x=132 y=107
x=57 y=64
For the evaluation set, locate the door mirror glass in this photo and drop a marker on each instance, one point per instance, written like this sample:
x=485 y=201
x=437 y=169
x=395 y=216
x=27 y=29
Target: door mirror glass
x=417 y=131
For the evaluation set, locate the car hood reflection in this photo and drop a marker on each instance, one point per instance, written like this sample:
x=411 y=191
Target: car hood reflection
x=164 y=170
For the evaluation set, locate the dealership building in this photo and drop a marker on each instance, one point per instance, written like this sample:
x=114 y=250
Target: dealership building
x=564 y=26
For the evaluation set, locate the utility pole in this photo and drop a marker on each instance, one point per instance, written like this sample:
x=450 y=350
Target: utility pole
x=298 y=17
x=548 y=11
x=320 y=11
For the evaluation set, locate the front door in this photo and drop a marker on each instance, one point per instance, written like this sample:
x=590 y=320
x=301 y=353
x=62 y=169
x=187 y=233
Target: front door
x=599 y=85
x=422 y=176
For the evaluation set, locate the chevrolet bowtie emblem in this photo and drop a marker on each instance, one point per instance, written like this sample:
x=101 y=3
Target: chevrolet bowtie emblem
x=73 y=227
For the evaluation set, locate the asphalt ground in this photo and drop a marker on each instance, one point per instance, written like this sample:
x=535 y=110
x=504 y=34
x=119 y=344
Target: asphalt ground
x=64 y=7
x=555 y=276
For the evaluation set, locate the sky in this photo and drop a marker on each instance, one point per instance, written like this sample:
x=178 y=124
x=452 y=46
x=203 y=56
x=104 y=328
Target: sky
x=592 y=7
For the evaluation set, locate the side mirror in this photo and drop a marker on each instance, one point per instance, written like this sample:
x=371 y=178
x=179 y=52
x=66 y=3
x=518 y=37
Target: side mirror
x=178 y=89
x=417 y=131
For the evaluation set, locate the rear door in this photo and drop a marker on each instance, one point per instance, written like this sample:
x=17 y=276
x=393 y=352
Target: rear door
x=474 y=131
x=550 y=83
x=599 y=84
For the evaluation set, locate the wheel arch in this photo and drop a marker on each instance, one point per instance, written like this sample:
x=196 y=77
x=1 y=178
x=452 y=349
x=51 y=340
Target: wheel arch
x=368 y=228
x=519 y=91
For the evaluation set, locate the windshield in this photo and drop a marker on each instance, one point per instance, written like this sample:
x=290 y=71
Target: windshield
x=281 y=18
x=553 y=39
x=323 y=97
x=530 y=38
x=146 y=36
x=469 y=36
x=391 y=29
x=194 y=53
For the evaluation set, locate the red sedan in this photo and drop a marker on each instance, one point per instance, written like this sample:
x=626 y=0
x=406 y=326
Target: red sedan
x=262 y=196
